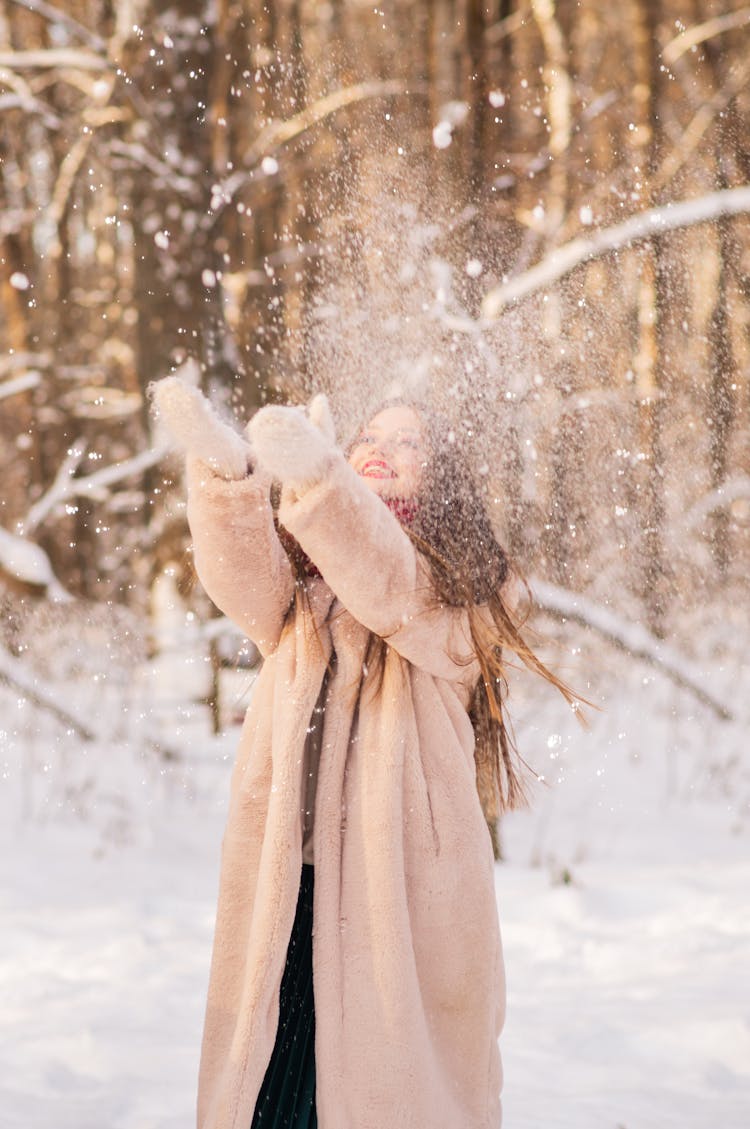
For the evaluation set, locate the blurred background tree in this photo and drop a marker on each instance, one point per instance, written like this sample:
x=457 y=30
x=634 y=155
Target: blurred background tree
x=296 y=194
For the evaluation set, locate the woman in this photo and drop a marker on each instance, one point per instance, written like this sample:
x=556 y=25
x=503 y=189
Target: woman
x=382 y=677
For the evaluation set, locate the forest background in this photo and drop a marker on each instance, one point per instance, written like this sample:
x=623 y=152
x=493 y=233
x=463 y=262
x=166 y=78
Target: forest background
x=534 y=213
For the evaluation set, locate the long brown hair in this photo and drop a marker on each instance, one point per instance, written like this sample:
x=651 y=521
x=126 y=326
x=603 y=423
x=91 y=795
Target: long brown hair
x=469 y=568
x=451 y=527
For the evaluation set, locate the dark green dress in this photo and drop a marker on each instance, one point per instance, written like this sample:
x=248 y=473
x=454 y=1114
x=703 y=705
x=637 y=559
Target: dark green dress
x=287 y=1095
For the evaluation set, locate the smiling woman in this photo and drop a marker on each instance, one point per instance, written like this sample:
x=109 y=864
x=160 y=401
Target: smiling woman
x=390 y=453
x=352 y=982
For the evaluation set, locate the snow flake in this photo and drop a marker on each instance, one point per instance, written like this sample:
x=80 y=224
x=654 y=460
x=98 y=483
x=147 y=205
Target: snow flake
x=442 y=135
x=452 y=114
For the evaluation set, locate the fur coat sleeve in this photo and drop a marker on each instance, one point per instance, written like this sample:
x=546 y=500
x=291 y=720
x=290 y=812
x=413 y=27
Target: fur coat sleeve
x=371 y=564
x=233 y=532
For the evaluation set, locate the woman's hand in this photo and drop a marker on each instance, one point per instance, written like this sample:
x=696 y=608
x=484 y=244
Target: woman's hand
x=291 y=446
x=197 y=430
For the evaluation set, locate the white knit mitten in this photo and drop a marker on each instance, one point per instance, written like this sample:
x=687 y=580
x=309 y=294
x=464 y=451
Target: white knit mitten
x=197 y=430
x=293 y=447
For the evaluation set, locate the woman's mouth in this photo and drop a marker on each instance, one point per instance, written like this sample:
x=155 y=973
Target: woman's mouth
x=376 y=468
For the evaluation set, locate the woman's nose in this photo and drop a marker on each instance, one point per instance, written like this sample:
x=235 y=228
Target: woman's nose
x=386 y=445
x=378 y=449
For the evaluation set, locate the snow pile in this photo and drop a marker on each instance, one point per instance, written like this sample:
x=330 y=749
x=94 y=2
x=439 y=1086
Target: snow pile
x=623 y=900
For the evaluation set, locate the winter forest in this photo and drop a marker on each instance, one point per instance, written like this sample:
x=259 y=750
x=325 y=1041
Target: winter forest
x=534 y=214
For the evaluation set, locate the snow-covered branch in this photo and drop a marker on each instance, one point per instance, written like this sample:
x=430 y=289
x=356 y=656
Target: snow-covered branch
x=24 y=98
x=692 y=135
x=16 y=674
x=15 y=361
x=28 y=563
x=19 y=384
x=92 y=485
x=65 y=57
x=167 y=173
x=58 y=491
x=645 y=225
x=732 y=488
x=630 y=637
x=55 y=16
x=699 y=33
x=277 y=133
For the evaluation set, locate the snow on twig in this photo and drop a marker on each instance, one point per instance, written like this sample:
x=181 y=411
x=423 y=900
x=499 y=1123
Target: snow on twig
x=28 y=563
x=168 y=172
x=92 y=485
x=109 y=475
x=22 y=98
x=279 y=132
x=58 y=491
x=699 y=33
x=630 y=637
x=19 y=384
x=645 y=225
x=14 y=673
x=66 y=57
x=55 y=16
x=729 y=491
x=16 y=361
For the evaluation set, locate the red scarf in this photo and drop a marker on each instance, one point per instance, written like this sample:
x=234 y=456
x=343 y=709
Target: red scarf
x=404 y=509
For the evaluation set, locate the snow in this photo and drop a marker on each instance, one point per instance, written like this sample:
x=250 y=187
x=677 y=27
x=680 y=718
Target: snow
x=102 y=978
x=624 y=992
x=730 y=491
x=23 y=383
x=623 y=902
x=563 y=259
x=633 y=637
x=28 y=562
x=442 y=135
x=194 y=426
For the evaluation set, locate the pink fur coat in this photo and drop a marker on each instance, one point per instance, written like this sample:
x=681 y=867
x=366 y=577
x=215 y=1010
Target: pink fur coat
x=407 y=960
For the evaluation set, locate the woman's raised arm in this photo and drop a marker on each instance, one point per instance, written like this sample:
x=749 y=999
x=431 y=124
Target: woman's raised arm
x=238 y=556
x=373 y=567
x=359 y=546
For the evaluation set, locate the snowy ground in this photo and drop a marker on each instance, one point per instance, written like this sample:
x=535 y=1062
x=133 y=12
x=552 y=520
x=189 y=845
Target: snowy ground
x=623 y=898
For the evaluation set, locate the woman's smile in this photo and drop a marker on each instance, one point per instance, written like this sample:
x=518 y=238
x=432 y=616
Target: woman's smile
x=377 y=468
x=390 y=452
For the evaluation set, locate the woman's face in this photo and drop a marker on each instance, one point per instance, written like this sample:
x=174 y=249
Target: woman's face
x=390 y=453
